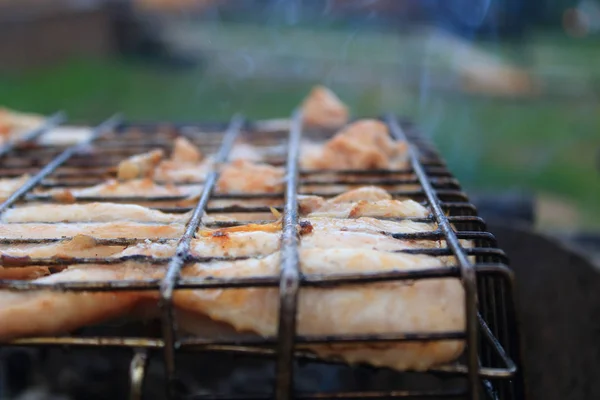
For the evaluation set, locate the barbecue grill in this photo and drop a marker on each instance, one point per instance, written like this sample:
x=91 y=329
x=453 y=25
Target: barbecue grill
x=490 y=366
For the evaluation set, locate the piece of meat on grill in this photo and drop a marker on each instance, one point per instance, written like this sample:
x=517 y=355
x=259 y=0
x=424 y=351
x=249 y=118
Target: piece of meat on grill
x=23 y=273
x=185 y=164
x=49 y=312
x=381 y=208
x=14 y=124
x=89 y=212
x=365 y=144
x=432 y=305
x=139 y=166
x=100 y=230
x=243 y=176
x=246 y=151
x=235 y=244
x=78 y=246
x=322 y=108
x=237 y=177
x=254 y=240
x=9 y=185
x=136 y=187
x=367 y=201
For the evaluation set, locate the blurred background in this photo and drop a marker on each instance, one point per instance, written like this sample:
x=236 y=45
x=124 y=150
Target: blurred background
x=508 y=89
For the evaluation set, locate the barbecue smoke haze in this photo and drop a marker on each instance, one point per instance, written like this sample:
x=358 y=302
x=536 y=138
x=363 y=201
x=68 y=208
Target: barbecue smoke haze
x=411 y=57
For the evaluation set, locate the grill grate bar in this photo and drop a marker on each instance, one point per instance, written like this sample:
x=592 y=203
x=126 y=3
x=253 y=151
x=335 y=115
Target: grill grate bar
x=434 y=187
x=182 y=252
x=467 y=271
x=396 y=394
x=98 y=131
x=49 y=123
x=314 y=280
x=290 y=274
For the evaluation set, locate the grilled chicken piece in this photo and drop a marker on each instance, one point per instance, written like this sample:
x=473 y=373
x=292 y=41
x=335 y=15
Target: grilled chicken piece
x=185 y=164
x=139 y=166
x=235 y=244
x=365 y=144
x=368 y=201
x=78 y=246
x=311 y=203
x=101 y=230
x=365 y=193
x=432 y=305
x=50 y=312
x=368 y=225
x=238 y=177
x=23 y=273
x=381 y=208
x=245 y=151
x=14 y=124
x=185 y=151
x=322 y=108
x=242 y=176
x=136 y=187
x=9 y=185
x=90 y=212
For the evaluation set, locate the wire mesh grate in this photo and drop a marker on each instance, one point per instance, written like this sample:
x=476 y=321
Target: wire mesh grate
x=489 y=364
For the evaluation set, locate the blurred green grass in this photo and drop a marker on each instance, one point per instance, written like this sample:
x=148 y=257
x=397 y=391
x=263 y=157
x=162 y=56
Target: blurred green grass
x=542 y=145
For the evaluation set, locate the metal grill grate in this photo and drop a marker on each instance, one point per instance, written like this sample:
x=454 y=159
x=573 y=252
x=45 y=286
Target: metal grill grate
x=489 y=366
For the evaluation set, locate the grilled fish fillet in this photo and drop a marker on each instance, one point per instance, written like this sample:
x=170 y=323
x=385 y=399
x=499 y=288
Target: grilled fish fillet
x=322 y=108
x=432 y=305
x=365 y=144
x=90 y=212
x=99 y=230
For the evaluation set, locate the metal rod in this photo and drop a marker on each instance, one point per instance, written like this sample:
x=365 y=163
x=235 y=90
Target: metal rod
x=290 y=266
x=49 y=123
x=468 y=275
x=137 y=372
x=99 y=130
x=183 y=246
x=313 y=280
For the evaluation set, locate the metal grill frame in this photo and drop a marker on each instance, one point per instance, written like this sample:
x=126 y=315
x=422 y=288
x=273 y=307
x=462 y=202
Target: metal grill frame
x=491 y=331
